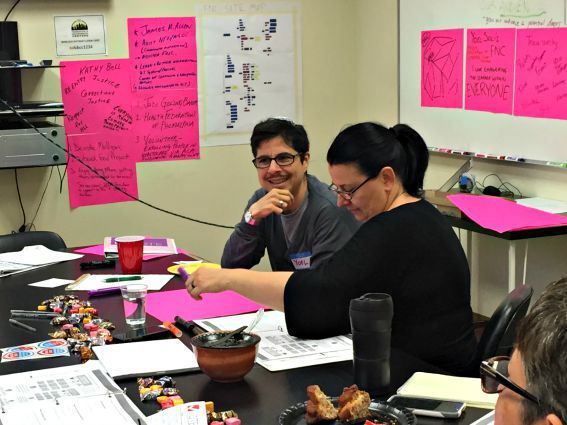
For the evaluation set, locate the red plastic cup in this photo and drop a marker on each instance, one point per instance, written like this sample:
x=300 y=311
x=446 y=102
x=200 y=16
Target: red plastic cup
x=130 y=253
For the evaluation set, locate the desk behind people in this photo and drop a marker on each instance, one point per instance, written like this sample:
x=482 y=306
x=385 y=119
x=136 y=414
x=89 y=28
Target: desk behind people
x=258 y=399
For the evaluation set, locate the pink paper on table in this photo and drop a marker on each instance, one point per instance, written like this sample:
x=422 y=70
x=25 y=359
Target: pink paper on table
x=489 y=77
x=168 y=304
x=442 y=68
x=99 y=250
x=163 y=53
x=502 y=215
x=541 y=73
x=167 y=125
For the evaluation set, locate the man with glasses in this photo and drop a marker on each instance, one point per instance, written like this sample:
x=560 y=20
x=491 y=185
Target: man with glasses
x=532 y=384
x=293 y=215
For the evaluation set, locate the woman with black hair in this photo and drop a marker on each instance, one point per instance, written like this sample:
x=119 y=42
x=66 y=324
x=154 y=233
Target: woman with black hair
x=405 y=248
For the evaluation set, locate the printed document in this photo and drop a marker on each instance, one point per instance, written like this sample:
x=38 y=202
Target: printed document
x=280 y=351
x=66 y=395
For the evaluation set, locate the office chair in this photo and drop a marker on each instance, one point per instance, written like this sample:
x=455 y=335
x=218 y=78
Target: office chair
x=17 y=241
x=500 y=332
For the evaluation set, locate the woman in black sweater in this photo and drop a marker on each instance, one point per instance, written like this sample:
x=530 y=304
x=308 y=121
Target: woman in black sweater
x=405 y=248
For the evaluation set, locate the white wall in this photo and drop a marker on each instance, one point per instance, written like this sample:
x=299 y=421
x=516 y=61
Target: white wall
x=350 y=74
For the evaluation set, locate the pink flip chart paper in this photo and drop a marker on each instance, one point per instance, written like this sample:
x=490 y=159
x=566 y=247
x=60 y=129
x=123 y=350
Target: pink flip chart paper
x=489 y=78
x=502 y=215
x=167 y=125
x=166 y=305
x=442 y=68
x=163 y=53
x=541 y=73
x=107 y=154
x=96 y=95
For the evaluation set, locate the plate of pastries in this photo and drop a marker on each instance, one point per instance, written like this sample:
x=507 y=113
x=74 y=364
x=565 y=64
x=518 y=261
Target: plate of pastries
x=352 y=407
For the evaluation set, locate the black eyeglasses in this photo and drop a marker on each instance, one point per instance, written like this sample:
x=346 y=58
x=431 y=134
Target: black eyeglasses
x=282 y=159
x=347 y=194
x=494 y=371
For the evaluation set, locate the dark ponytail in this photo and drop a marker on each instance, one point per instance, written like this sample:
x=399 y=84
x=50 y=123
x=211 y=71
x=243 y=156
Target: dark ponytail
x=417 y=158
x=371 y=147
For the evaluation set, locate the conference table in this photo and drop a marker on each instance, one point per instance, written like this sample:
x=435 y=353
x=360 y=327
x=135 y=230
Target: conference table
x=258 y=399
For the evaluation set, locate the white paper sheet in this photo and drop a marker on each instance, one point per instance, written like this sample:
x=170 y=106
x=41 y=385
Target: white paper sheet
x=66 y=395
x=280 y=351
x=146 y=358
x=96 y=281
x=543 y=204
x=51 y=283
x=37 y=255
x=252 y=63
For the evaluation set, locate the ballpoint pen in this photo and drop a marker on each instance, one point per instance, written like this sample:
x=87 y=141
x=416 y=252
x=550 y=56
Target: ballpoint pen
x=35 y=315
x=121 y=279
x=22 y=325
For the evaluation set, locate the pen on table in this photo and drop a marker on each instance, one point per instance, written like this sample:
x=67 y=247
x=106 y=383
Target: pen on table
x=188 y=326
x=121 y=279
x=173 y=329
x=46 y=313
x=22 y=325
x=104 y=291
x=35 y=315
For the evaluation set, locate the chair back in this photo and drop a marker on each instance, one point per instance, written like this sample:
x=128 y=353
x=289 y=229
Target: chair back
x=17 y=241
x=500 y=332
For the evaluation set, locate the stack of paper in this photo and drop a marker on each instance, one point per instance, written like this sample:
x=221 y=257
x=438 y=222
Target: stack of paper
x=146 y=358
x=445 y=387
x=65 y=395
x=158 y=246
x=30 y=258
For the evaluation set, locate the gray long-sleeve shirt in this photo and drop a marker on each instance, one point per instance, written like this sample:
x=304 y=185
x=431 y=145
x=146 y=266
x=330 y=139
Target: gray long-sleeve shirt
x=320 y=230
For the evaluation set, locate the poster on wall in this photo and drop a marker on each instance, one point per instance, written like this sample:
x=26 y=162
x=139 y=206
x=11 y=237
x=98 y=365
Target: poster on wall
x=251 y=70
x=80 y=35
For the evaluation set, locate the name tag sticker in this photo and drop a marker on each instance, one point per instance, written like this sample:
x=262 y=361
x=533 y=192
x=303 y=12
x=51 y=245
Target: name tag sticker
x=301 y=260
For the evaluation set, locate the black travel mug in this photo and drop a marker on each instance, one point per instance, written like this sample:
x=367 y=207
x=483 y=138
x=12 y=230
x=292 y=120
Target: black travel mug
x=371 y=325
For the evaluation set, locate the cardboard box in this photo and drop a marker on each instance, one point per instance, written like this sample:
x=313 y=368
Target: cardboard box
x=439 y=199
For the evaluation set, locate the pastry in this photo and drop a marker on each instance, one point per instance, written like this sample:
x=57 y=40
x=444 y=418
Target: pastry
x=353 y=404
x=319 y=408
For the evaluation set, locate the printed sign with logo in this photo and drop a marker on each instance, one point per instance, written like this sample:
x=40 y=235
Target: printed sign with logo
x=301 y=260
x=36 y=350
x=80 y=35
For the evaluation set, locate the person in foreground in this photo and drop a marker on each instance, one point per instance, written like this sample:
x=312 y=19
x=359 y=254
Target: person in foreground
x=293 y=216
x=532 y=384
x=405 y=248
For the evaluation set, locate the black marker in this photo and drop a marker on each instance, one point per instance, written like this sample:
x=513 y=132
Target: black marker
x=98 y=264
x=22 y=325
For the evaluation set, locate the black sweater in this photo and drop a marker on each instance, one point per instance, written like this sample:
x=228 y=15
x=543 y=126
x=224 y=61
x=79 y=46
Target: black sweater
x=412 y=254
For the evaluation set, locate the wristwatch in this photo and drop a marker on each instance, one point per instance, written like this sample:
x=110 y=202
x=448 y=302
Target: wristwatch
x=248 y=218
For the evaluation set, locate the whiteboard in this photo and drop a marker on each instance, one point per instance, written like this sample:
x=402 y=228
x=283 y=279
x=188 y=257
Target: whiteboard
x=538 y=139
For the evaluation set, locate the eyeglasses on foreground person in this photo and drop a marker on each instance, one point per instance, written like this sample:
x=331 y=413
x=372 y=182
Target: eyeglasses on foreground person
x=494 y=372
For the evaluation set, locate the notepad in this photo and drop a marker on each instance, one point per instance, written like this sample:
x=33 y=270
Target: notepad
x=452 y=388
x=134 y=359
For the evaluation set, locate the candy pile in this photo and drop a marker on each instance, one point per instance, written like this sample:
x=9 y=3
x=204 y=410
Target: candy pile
x=161 y=389
x=232 y=420
x=78 y=323
x=228 y=417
